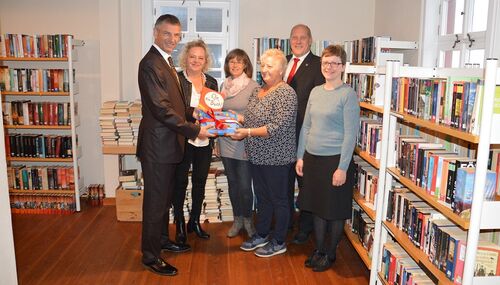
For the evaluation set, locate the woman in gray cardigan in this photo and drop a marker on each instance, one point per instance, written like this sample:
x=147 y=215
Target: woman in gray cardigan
x=237 y=89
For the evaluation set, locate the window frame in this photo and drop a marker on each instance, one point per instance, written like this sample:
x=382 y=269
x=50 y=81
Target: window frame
x=432 y=43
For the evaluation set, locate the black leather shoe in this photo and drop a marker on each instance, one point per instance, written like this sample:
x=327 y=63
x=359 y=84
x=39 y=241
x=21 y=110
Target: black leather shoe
x=159 y=266
x=195 y=226
x=175 y=247
x=300 y=238
x=180 y=231
x=323 y=263
x=312 y=259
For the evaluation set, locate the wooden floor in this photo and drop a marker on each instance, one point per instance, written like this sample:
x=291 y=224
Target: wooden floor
x=91 y=247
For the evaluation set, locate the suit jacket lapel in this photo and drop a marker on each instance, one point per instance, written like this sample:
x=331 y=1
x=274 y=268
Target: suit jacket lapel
x=304 y=66
x=170 y=71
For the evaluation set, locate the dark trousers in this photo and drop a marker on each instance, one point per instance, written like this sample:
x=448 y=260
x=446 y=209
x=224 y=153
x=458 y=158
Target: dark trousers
x=240 y=186
x=200 y=158
x=158 y=192
x=270 y=183
x=305 y=217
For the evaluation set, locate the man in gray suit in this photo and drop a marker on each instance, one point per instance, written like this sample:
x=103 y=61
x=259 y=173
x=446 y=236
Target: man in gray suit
x=160 y=146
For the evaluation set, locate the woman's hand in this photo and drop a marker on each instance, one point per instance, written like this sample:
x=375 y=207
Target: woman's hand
x=240 y=117
x=298 y=167
x=196 y=114
x=338 y=178
x=239 y=134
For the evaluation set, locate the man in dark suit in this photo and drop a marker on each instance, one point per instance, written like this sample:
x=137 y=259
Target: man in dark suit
x=302 y=74
x=160 y=147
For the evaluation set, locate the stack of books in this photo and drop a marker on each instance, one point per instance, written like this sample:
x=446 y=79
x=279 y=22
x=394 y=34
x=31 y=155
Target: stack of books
x=122 y=123
x=135 y=111
x=129 y=180
x=216 y=207
x=107 y=123
x=119 y=122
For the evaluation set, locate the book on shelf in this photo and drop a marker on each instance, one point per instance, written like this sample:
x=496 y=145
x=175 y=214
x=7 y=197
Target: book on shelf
x=42 y=203
x=34 y=46
x=454 y=101
x=26 y=177
x=487 y=259
x=465 y=187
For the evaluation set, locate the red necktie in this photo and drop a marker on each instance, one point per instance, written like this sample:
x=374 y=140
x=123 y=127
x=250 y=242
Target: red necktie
x=292 y=71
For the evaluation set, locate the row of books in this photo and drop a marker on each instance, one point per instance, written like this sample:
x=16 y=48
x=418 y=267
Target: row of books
x=28 y=113
x=37 y=46
x=399 y=268
x=42 y=204
x=454 y=102
x=366 y=181
x=436 y=236
x=361 y=51
x=363 y=85
x=370 y=136
x=28 y=177
x=435 y=169
x=95 y=194
x=38 y=145
x=363 y=227
x=119 y=121
x=34 y=80
x=264 y=43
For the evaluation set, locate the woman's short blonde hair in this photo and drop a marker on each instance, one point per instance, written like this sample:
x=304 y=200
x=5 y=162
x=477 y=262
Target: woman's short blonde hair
x=183 y=57
x=276 y=54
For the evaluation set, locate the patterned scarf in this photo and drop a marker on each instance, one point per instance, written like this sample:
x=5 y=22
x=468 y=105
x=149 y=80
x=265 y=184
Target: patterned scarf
x=233 y=86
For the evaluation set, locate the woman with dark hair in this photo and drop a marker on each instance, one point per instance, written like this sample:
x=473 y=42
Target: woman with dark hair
x=237 y=89
x=195 y=62
x=324 y=156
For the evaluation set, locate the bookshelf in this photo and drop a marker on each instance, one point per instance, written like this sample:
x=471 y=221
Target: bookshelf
x=482 y=213
x=45 y=79
x=260 y=45
x=366 y=58
x=365 y=69
x=354 y=240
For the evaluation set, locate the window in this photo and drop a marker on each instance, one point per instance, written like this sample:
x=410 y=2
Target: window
x=207 y=20
x=455 y=32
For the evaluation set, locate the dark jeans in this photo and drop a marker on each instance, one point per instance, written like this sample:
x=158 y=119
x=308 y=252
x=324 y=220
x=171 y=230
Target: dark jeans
x=305 y=217
x=270 y=183
x=200 y=158
x=240 y=186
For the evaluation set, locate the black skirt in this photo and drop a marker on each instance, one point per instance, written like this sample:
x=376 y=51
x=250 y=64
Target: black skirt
x=318 y=195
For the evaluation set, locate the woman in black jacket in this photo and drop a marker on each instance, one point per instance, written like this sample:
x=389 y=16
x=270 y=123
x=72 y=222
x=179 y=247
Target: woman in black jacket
x=194 y=61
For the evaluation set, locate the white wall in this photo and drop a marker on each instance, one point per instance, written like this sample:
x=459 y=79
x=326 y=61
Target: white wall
x=400 y=20
x=336 y=20
x=8 y=271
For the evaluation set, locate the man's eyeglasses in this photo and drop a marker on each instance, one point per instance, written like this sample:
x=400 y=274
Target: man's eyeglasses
x=331 y=64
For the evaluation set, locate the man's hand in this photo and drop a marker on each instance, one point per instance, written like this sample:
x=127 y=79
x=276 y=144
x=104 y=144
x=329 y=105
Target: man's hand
x=204 y=134
x=298 y=167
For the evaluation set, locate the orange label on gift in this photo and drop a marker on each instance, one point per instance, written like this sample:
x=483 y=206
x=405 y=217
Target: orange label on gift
x=210 y=100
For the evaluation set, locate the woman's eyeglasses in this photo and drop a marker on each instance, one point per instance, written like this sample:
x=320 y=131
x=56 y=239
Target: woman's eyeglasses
x=331 y=64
